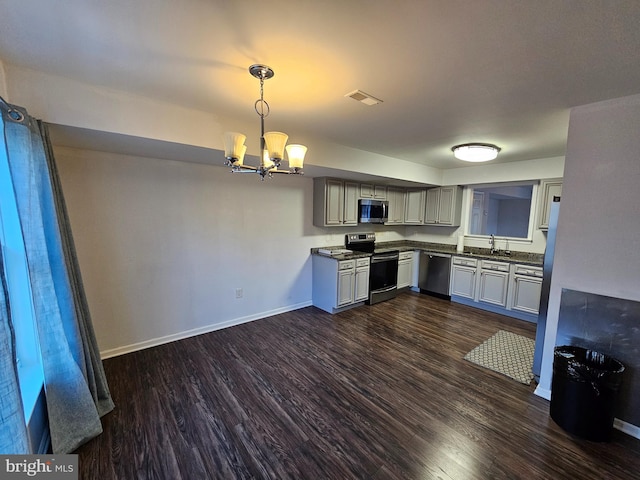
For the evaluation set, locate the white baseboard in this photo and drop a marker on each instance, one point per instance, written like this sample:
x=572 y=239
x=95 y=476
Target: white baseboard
x=621 y=425
x=543 y=392
x=627 y=428
x=153 y=342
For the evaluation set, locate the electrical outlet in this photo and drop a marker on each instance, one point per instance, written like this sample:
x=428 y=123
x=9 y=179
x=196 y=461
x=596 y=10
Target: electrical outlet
x=239 y=293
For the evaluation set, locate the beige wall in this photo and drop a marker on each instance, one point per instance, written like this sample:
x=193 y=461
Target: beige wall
x=505 y=172
x=598 y=238
x=163 y=245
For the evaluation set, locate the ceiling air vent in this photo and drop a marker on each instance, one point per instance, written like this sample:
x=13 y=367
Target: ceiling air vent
x=365 y=98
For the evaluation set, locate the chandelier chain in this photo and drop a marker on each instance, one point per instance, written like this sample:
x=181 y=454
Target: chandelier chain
x=261 y=106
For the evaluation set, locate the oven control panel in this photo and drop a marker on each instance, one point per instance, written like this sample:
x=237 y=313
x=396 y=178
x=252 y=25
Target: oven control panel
x=360 y=242
x=360 y=237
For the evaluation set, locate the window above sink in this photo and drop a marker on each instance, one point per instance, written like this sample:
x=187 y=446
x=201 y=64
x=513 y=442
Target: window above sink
x=502 y=210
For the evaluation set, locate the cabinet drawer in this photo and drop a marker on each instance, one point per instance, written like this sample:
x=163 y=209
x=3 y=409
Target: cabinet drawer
x=362 y=262
x=497 y=266
x=405 y=256
x=528 y=270
x=467 y=262
x=347 y=265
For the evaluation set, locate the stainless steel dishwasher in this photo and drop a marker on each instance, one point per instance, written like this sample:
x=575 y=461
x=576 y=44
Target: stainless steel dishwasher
x=434 y=273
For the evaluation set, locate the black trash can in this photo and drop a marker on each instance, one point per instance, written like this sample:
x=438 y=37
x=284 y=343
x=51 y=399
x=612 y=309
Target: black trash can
x=584 y=390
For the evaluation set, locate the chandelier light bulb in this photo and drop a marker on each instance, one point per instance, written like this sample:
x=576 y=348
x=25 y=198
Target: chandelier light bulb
x=296 y=154
x=275 y=142
x=233 y=143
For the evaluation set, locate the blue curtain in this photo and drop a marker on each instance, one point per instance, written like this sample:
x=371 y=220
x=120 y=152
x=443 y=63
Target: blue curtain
x=14 y=432
x=76 y=389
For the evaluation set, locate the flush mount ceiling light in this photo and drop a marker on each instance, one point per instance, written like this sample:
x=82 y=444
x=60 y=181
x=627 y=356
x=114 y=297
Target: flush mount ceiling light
x=272 y=144
x=475 y=152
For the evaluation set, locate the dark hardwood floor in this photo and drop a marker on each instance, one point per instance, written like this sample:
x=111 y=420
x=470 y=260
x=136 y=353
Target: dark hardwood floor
x=377 y=392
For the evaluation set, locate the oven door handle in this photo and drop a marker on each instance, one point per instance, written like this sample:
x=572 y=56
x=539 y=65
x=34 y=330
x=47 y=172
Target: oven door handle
x=384 y=258
x=382 y=290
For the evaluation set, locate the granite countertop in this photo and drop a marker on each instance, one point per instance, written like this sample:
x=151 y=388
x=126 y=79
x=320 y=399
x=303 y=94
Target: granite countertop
x=534 y=259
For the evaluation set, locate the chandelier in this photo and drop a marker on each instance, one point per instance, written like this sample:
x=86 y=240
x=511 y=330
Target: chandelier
x=272 y=144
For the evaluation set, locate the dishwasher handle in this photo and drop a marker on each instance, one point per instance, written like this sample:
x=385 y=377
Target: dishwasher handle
x=433 y=254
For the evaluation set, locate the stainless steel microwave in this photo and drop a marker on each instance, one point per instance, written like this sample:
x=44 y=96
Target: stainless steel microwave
x=373 y=211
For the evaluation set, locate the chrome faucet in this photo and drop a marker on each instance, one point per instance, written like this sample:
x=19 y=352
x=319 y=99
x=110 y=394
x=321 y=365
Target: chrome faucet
x=492 y=242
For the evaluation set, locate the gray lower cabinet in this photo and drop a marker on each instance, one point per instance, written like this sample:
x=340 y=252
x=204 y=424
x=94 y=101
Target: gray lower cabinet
x=405 y=269
x=526 y=286
x=339 y=284
x=346 y=283
x=494 y=283
x=502 y=287
x=361 y=287
x=463 y=277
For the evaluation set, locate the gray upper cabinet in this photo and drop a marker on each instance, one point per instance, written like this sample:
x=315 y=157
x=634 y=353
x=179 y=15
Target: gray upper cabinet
x=548 y=189
x=366 y=190
x=350 y=214
x=443 y=206
x=396 y=199
x=335 y=202
x=332 y=201
x=380 y=192
x=414 y=207
x=432 y=205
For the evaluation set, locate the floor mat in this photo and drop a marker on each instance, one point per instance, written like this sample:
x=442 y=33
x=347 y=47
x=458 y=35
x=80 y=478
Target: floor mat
x=506 y=353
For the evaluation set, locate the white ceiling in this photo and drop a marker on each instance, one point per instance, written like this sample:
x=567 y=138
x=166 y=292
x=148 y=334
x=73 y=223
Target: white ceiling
x=448 y=71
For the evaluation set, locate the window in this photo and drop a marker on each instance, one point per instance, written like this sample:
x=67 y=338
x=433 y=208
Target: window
x=502 y=210
x=20 y=299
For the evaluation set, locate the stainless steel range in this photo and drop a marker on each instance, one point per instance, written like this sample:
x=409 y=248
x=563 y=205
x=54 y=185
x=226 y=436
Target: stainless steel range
x=383 y=273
